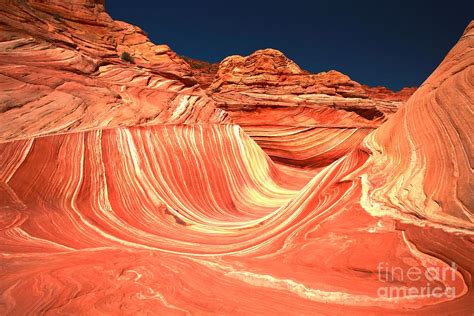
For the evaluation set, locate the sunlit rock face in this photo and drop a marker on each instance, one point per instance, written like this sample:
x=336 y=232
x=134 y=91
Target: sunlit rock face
x=422 y=158
x=67 y=66
x=197 y=219
x=301 y=119
x=186 y=214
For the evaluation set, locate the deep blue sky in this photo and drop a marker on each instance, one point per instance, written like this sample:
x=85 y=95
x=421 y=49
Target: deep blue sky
x=390 y=43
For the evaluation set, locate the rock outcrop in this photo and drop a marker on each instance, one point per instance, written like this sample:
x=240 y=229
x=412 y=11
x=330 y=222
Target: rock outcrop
x=282 y=106
x=183 y=213
x=67 y=66
x=204 y=72
x=422 y=163
x=196 y=219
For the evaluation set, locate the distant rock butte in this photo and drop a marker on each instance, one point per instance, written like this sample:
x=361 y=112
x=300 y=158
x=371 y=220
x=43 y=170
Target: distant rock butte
x=280 y=106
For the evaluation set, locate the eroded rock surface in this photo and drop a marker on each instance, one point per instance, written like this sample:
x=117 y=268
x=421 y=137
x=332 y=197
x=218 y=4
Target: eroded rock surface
x=285 y=109
x=422 y=160
x=189 y=215
x=204 y=72
x=67 y=66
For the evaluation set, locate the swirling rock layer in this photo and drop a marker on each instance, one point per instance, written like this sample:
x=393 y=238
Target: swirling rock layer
x=199 y=220
x=423 y=157
x=67 y=66
x=298 y=118
x=184 y=213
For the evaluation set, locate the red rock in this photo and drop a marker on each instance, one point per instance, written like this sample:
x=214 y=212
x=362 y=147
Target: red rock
x=65 y=58
x=125 y=218
x=422 y=158
x=191 y=216
x=282 y=106
x=204 y=72
x=382 y=93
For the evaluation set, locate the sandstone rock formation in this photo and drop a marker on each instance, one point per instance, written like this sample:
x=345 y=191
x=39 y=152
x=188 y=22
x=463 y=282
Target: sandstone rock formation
x=422 y=159
x=190 y=216
x=67 y=66
x=204 y=72
x=282 y=106
x=123 y=220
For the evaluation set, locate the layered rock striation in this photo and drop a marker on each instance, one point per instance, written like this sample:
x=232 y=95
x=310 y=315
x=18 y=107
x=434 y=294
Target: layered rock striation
x=422 y=158
x=282 y=107
x=67 y=66
x=125 y=189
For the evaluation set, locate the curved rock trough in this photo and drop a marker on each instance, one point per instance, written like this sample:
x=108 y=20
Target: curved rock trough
x=126 y=188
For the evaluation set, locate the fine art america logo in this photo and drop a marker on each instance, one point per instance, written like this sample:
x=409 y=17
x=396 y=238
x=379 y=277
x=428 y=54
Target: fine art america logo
x=430 y=282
